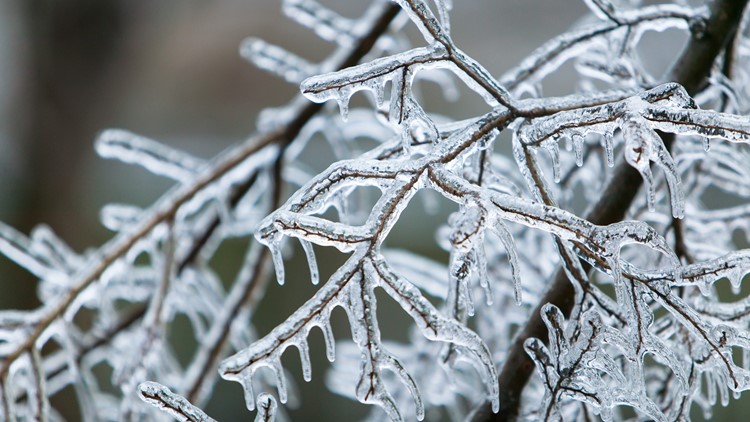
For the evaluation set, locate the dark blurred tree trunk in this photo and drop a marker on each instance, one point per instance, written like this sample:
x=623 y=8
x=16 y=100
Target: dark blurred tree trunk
x=70 y=46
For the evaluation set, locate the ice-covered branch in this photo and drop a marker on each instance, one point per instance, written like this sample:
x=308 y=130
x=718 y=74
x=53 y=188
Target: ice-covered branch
x=614 y=302
x=175 y=405
x=691 y=69
x=555 y=52
x=197 y=177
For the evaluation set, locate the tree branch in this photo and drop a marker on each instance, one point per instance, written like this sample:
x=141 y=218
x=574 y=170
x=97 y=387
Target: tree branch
x=690 y=70
x=173 y=200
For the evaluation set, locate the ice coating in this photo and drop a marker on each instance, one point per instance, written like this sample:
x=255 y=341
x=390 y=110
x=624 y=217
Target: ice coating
x=175 y=405
x=551 y=55
x=155 y=157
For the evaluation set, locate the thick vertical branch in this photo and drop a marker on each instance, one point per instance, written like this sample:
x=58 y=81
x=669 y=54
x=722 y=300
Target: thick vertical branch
x=690 y=70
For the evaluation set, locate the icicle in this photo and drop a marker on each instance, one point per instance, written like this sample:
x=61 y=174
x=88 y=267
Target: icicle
x=637 y=152
x=460 y=259
x=468 y=298
x=711 y=388
x=648 y=184
x=613 y=262
x=578 y=143
x=246 y=380
x=735 y=277
x=278 y=260
x=377 y=87
x=441 y=328
x=311 y=261
x=340 y=203
x=660 y=155
x=607 y=141
x=278 y=370
x=724 y=392
x=553 y=148
x=342 y=98
x=329 y=340
x=481 y=265
x=304 y=356
x=642 y=145
x=502 y=232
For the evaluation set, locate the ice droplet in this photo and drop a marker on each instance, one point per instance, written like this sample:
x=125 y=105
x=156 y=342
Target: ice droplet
x=278 y=260
x=311 y=261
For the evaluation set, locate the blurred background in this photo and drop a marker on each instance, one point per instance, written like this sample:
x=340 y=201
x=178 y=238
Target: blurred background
x=170 y=70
